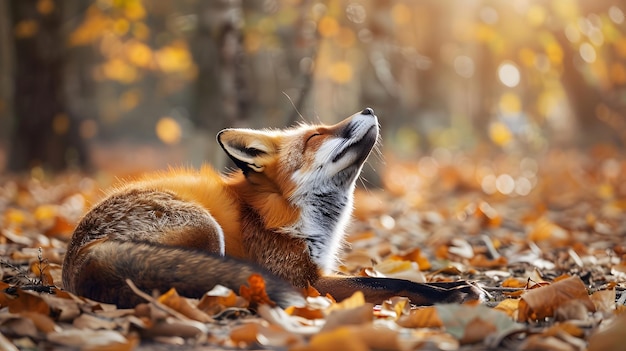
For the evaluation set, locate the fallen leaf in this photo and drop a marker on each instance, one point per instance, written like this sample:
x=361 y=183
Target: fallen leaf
x=481 y=261
x=305 y=312
x=476 y=330
x=508 y=306
x=255 y=293
x=245 y=333
x=218 y=299
x=469 y=323
x=182 y=305
x=422 y=317
x=610 y=336
x=349 y=316
x=337 y=339
x=542 y=302
x=416 y=256
x=604 y=300
x=26 y=301
x=90 y=339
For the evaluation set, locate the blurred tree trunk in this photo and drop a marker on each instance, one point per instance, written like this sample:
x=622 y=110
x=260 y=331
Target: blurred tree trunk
x=44 y=133
x=221 y=93
x=6 y=69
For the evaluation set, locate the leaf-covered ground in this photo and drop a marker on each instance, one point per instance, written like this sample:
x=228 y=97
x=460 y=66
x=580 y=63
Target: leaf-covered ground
x=545 y=236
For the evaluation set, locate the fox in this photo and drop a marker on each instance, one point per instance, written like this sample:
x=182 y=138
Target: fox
x=281 y=213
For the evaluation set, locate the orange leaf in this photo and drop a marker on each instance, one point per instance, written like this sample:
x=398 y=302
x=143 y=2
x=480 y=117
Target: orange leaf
x=511 y=282
x=416 y=256
x=424 y=317
x=255 y=293
x=245 y=333
x=483 y=262
x=342 y=338
x=310 y=291
x=305 y=312
x=26 y=301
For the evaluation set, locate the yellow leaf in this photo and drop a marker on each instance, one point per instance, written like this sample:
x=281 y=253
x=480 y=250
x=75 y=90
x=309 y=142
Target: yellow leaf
x=508 y=306
x=357 y=299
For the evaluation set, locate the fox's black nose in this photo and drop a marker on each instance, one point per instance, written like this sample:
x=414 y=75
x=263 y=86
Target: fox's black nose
x=368 y=111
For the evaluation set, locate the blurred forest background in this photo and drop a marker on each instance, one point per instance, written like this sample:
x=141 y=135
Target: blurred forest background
x=146 y=83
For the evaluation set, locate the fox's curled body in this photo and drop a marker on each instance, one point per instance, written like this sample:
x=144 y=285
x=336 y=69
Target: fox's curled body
x=282 y=215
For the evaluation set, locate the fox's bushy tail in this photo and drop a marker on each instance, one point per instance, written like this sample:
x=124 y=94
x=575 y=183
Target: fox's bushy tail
x=101 y=272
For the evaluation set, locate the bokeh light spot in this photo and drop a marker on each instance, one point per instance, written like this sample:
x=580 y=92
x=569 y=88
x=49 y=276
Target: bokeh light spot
x=509 y=74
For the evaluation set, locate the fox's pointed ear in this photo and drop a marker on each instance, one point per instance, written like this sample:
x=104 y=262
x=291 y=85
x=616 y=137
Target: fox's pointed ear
x=249 y=149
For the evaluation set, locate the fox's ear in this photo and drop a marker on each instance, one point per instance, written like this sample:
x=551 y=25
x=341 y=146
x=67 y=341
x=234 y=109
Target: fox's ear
x=249 y=149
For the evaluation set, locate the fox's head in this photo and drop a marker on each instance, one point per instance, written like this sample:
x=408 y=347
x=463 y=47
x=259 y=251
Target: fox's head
x=313 y=167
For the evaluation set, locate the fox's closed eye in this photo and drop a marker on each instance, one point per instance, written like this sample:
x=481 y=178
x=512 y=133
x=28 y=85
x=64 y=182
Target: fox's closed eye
x=311 y=137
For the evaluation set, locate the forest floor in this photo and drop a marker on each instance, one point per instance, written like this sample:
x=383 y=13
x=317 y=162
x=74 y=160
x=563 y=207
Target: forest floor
x=544 y=236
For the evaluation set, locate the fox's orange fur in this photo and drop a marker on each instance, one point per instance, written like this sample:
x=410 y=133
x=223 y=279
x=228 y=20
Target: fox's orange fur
x=282 y=215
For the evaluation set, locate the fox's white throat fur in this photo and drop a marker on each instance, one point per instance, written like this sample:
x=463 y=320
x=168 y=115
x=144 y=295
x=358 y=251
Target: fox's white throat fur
x=325 y=191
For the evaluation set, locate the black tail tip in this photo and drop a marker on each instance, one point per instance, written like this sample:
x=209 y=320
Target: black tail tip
x=368 y=111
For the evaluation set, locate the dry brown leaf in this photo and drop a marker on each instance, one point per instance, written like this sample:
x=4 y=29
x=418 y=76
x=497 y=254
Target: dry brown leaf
x=423 y=317
x=89 y=321
x=566 y=327
x=540 y=342
x=218 y=299
x=26 y=301
x=604 y=300
x=341 y=338
x=610 y=336
x=182 y=305
x=42 y=322
x=171 y=326
x=92 y=339
x=542 y=302
x=378 y=337
x=255 y=293
x=349 y=316
x=469 y=322
x=476 y=330
x=12 y=324
x=481 y=261
x=42 y=271
x=395 y=307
